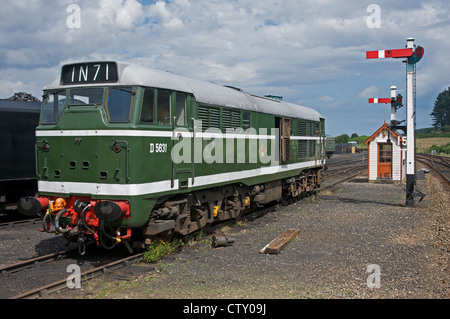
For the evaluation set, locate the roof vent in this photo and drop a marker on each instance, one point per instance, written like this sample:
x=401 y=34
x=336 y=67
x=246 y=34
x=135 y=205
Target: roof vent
x=274 y=97
x=234 y=88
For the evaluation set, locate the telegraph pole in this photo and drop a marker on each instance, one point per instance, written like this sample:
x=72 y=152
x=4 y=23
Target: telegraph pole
x=413 y=56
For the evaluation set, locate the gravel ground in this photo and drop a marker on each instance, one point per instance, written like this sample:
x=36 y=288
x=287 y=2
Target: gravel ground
x=26 y=242
x=342 y=232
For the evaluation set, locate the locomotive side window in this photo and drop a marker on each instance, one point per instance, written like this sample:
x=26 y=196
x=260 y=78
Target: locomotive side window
x=164 y=107
x=317 y=129
x=118 y=104
x=181 y=109
x=148 y=106
x=54 y=103
x=246 y=120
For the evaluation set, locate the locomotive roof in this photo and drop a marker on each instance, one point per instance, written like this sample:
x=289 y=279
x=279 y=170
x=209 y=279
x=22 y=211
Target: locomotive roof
x=206 y=92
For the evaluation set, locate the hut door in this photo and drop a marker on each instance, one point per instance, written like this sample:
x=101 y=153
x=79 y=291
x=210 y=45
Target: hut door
x=384 y=161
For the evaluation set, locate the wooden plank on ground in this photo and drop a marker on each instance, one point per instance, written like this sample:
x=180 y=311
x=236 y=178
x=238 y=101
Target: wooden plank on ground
x=277 y=245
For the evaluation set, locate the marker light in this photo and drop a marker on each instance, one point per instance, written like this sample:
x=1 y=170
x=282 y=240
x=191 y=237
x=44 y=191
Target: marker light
x=117 y=148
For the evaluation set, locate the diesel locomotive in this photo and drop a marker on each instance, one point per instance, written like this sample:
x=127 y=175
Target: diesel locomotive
x=126 y=153
x=330 y=146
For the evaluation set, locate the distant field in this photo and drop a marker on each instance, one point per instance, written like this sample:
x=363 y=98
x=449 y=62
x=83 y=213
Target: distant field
x=440 y=141
x=424 y=145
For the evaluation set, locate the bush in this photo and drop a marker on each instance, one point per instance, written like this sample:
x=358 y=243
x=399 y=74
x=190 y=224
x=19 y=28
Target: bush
x=441 y=149
x=361 y=140
x=343 y=138
x=159 y=249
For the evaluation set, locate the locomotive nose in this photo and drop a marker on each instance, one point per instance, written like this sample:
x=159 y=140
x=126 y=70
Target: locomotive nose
x=30 y=206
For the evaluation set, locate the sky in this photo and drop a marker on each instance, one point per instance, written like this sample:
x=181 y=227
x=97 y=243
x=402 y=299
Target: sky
x=310 y=52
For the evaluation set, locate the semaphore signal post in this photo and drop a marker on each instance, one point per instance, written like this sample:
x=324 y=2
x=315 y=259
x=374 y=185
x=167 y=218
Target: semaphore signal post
x=413 y=56
x=396 y=102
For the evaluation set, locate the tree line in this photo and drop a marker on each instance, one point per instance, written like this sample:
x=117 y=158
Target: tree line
x=441 y=111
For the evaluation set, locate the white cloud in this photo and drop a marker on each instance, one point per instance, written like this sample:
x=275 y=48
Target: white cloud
x=20 y=57
x=7 y=88
x=310 y=51
x=326 y=98
x=123 y=14
x=159 y=10
x=370 y=92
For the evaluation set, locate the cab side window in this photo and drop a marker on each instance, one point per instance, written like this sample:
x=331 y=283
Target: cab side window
x=181 y=119
x=157 y=104
x=148 y=106
x=163 y=113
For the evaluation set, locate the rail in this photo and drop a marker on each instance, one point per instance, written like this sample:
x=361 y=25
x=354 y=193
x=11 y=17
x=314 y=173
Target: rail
x=62 y=284
x=438 y=164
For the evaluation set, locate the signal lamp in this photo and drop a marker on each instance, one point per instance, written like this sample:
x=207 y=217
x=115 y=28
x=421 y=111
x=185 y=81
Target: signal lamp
x=399 y=100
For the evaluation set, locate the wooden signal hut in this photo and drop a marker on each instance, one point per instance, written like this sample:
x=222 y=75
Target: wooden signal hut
x=387 y=155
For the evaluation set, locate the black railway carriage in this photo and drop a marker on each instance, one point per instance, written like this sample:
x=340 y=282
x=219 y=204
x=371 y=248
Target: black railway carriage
x=125 y=151
x=18 y=122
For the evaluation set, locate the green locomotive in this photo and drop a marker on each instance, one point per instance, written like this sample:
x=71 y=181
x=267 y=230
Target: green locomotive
x=330 y=145
x=129 y=153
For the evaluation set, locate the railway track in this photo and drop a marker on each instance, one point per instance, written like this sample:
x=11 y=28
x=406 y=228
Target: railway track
x=439 y=164
x=87 y=275
x=11 y=269
x=338 y=166
x=338 y=176
x=55 y=265
x=340 y=171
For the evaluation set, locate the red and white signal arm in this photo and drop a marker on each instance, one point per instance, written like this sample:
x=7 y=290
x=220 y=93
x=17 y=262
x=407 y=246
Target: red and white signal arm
x=379 y=100
x=381 y=54
x=413 y=56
